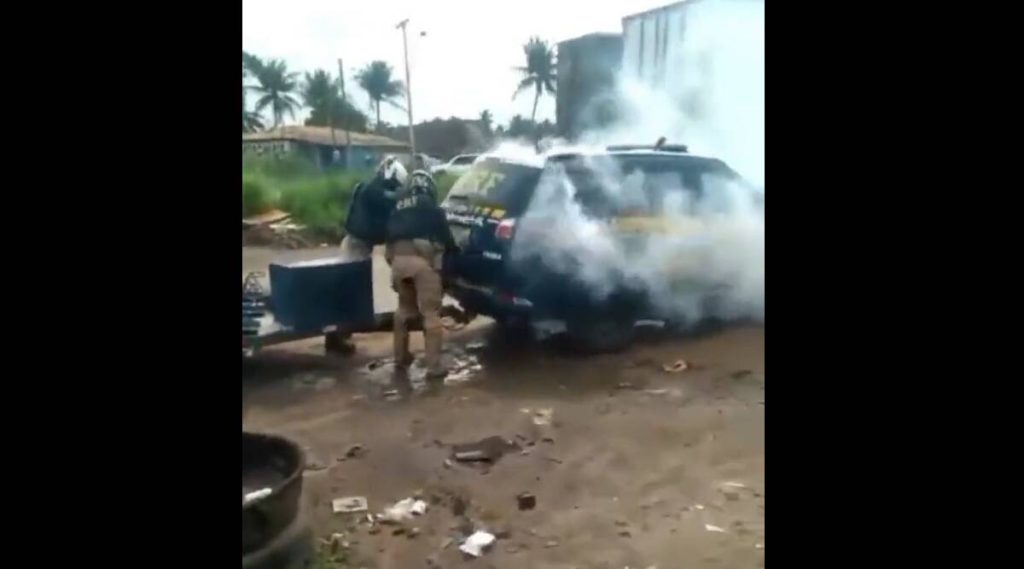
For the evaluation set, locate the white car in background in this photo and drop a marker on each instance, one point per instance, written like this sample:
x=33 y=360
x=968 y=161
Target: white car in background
x=427 y=162
x=458 y=165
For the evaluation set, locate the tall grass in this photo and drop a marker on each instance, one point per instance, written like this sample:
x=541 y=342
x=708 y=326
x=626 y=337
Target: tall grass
x=319 y=200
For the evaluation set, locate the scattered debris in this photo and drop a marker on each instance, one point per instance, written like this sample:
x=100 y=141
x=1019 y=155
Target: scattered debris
x=447 y=543
x=392 y=395
x=526 y=501
x=625 y=533
x=349 y=505
x=476 y=544
x=317 y=382
x=698 y=506
x=731 y=495
x=461 y=376
x=758 y=546
x=548 y=440
x=256 y=495
x=489 y=450
x=403 y=510
x=266 y=218
x=512 y=548
x=314 y=465
x=710 y=527
x=374 y=530
x=553 y=459
x=678 y=366
x=621 y=523
x=542 y=417
x=413 y=533
x=448 y=463
x=354 y=451
x=336 y=541
x=551 y=544
x=741 y=374
x=734 y=484
x=625 y=385
x=398 y=531
x=656 y=391
x=476 y=346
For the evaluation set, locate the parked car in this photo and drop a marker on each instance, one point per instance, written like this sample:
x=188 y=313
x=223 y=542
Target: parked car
x=458 y=165
x=485 y=205
x=426 y=162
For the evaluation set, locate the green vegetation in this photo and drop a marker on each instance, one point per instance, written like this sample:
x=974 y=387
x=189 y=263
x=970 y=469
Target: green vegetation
x=318 y=200
x=323 y=558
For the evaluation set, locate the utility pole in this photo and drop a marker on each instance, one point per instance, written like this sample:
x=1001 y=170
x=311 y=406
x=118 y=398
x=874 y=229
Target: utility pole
x=408 y=90
x=344 y=105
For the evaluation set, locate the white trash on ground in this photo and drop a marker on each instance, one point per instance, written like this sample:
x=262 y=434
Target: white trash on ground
x=403 y=510
x=349 y=505
x=477 y=543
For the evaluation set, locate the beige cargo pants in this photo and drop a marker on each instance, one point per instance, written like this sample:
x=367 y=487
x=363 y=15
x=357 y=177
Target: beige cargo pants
x=418 y=284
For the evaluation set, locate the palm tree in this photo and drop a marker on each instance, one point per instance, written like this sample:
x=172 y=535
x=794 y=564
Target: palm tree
x=539 y=71
x=319 y=90
x=251 y=65
x=321 y=94
x=251 y=122
x=486 y=119
x=376 y=80
x=276 y=87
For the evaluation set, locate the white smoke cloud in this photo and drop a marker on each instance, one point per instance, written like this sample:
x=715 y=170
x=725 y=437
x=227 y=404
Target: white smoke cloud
x=709 y=94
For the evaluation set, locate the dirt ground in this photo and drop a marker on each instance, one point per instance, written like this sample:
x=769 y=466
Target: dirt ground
x=639 y=467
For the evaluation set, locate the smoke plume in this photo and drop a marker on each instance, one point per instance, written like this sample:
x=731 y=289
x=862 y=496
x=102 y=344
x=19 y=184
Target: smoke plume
x=705 y=249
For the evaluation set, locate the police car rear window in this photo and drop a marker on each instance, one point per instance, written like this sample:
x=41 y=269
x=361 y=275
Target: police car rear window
x=494 y=183
x=624 y=184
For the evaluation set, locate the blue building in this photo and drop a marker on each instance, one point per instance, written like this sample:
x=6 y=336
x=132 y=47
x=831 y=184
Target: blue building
x=323 y=147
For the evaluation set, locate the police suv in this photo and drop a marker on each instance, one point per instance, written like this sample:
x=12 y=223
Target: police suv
x=532 y=234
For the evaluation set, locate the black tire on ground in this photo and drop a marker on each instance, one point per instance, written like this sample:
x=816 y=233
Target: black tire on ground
x=601 y=332
x=293 y=548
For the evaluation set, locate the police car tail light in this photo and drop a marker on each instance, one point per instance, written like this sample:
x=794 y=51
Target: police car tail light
x=505 y=229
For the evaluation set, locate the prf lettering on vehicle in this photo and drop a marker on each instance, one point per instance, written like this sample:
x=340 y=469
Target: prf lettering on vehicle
x=474 y=215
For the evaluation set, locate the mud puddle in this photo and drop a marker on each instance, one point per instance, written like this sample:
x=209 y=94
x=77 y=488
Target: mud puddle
x=383 y=379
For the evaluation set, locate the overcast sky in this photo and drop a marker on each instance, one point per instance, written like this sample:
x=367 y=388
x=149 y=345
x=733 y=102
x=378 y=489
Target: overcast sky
x=462 y=65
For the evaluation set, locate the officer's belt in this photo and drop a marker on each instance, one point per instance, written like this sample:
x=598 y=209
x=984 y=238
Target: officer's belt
x=415 y=248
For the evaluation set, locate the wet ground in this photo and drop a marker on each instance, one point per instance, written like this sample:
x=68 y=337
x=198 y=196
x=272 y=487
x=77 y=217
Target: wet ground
x=631 y=465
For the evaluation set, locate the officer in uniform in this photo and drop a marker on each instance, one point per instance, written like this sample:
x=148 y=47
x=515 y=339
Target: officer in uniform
x=417 y=239
x=365 y=226
x=368 y=212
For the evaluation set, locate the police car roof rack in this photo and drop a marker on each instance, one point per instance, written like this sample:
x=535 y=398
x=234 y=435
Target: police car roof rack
x=658 y=146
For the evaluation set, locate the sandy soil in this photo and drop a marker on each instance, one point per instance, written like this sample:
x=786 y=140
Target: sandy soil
x=635 y=467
